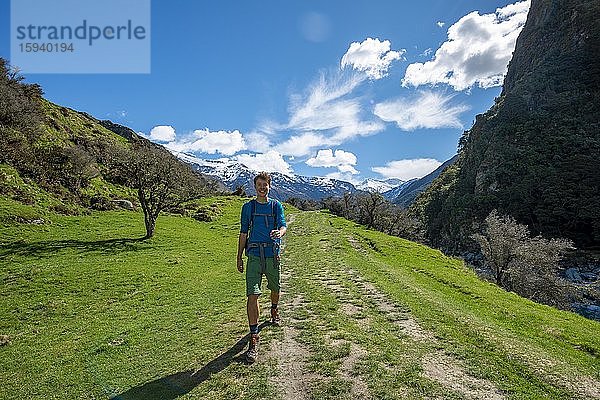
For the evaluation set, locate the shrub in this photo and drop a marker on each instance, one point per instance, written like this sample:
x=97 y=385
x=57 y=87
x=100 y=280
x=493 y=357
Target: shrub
x=528 y=266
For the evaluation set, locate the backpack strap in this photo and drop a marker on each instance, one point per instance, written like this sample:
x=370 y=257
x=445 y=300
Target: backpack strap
x=262 y=245
x=252 y=212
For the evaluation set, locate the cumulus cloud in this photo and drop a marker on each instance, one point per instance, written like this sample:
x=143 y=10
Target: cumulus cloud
x=429 y=110
x=440 y=24
x=371 y=56
x=340 y=159
x=330 y=158
x=162 y=133
x=476 y=52
x=258 y=142
x=271 y=161
x=205 y=141
x=408 y=169
x=347 y=169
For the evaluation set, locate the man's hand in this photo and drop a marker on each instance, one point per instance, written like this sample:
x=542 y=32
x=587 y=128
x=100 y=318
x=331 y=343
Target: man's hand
x=275 y=234
x=240 y=265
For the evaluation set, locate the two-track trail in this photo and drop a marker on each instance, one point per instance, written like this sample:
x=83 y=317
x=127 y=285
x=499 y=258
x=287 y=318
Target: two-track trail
x=339 y=329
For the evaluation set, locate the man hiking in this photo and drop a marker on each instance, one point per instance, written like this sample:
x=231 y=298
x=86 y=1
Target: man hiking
x=262 y=226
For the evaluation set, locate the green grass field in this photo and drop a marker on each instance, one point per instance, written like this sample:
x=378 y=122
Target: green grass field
x=93 y=312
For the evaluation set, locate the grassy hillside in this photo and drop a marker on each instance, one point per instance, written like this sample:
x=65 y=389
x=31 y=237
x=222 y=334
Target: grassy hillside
x=91 y=311
x=64 y=156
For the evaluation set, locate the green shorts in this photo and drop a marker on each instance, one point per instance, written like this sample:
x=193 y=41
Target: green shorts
x=254 y=275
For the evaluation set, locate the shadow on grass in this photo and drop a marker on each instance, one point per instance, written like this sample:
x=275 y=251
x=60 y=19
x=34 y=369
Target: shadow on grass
x=180 y=383
x=51 y=247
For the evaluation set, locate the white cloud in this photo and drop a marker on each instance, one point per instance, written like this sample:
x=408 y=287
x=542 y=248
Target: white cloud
x=327 y=115
x=347 y=169
x=301 y=145
x=271 y=161
x=323 y=107
x=162 y=133
x=477 y=51
x=340 y=159
x=329 y=158
x=427 y=52
x=258 y=142
x=408 y=169
x=429 y=110
x=205 y=141
x=342 y=176
x=440 y=24
x=372 y=56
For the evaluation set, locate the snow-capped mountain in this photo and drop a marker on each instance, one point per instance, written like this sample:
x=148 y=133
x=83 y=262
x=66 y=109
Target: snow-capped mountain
x=234 y=174
x=376 y=185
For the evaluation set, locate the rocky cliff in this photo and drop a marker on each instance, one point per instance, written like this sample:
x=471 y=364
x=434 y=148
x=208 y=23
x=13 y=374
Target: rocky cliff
x=536 y=153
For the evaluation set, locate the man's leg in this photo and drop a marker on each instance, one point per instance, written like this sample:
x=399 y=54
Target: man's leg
x=274 y=284
x=274 y=308
x=253 y=283
x=253 y=310
x=274 y=297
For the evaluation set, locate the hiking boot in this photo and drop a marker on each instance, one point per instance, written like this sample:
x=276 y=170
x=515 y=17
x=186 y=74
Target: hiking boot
x=275 y=319
x=252 y=352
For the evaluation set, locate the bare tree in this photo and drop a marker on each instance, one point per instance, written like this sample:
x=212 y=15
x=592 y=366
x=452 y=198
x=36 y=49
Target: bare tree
x=161 y=180
x=500 y=243
x=519 y=262
x=370 y=206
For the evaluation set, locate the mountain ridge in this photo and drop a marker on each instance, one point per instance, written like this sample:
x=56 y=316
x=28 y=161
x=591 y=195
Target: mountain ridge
x=534 y=154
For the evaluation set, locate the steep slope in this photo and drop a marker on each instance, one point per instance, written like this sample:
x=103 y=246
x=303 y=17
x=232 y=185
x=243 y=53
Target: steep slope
x=405 y=194
x=64 y=156
x=53 y=158
x=534 y=155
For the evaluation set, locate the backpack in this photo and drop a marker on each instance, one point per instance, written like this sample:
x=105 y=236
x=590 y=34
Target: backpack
x=254 y=214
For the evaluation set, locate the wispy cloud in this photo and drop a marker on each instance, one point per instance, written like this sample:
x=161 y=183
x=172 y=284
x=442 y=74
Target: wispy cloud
x=428 y=110
x=301 y=144
x=476 y=52
x=328 y=114
x=408 y=169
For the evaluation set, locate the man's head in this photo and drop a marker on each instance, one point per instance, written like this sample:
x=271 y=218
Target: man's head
x=262 y=184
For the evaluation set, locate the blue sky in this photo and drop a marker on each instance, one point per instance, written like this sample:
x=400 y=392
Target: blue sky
x=347 y=89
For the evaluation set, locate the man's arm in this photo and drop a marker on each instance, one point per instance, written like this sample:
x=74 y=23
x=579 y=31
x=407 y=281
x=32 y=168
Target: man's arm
x=281 y=223
x=282 y=231
x=240 y=251
x=245 y=223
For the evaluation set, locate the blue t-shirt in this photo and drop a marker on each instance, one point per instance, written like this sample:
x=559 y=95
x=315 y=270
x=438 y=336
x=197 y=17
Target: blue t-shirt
x=262 y=224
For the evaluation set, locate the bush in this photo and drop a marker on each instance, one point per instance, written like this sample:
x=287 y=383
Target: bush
x=528 y=266
x=374 y=211
x=207 y=213
x=101 y=203
x=64 y=209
